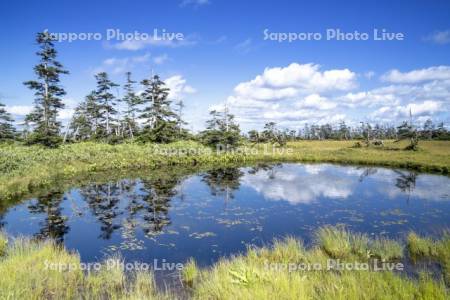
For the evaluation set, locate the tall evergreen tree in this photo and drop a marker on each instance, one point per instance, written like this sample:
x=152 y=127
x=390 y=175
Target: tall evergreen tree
x=132 y=102
x=160 y=121
x=7 y=130
x=105 y=105
x=48 y=93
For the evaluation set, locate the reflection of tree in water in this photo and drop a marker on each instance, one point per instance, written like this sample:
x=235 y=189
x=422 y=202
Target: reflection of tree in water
x=54 y=226
x=103 y=201
x=366 y=173
x=406 y=182
x=223 y=181
x=157 y=196
x=269 y=168
x=147 y=204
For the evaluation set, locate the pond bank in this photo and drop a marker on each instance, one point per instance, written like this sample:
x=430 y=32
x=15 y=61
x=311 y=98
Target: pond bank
x=261 y=273
x=25 y=169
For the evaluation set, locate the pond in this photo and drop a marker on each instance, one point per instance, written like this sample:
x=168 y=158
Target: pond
x=173 y=215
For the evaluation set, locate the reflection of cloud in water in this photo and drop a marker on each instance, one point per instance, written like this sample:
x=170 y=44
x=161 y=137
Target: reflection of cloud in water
x=427 y=187
x=423 y=186
x=301 y=183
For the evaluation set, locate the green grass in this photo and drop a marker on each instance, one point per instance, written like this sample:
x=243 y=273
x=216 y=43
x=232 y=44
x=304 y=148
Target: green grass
x=386 y=249
x=25 y=275
x=26 y=169
x=254 y=275
x=337 y=242
x=334 y=241
x=427 y=248
x=3 y=243
x=189 y=273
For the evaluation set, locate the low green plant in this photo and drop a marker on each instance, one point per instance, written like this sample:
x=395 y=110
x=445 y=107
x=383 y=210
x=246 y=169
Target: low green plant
x=334 y=241
x=189 y=273
x=420 y=247
x=3 y=243
x=386 y=249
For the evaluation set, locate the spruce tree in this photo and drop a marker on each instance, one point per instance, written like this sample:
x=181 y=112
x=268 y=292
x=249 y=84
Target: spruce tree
x=132 y=102
x=7 y=130
x=106 y=102
x=48 y=93
x=221 y=131
x=160 y=121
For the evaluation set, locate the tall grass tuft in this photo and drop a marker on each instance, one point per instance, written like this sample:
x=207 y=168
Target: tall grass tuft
x=3 y=243
x=189 y=273
x=335 y=241
x=386 y=249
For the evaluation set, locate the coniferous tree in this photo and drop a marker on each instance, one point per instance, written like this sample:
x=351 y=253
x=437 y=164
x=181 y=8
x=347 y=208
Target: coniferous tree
x=160 y=121
x=48 y=94
x=182 y=133
x=7 y=130
x=221 y=131
x=105 y=105
x=132 y=102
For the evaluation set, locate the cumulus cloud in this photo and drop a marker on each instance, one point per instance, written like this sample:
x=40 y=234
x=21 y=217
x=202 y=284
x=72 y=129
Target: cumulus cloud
x=306 y=77
x=315 y=101
x=273 y=94
x=304 y=93
x=416 y=76
x=178 y=87
x=427 y=108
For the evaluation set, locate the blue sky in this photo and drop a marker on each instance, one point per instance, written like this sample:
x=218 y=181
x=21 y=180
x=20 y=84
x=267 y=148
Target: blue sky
x=224 y=57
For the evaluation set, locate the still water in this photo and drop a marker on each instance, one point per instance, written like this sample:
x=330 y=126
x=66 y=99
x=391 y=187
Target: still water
x=173 y=216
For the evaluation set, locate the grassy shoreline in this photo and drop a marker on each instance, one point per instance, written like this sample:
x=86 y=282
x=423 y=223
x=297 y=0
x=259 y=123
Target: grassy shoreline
x=262 y=273
x=25 y=169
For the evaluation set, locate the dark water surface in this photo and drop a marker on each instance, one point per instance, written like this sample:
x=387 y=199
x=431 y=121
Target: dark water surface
x=217 y=213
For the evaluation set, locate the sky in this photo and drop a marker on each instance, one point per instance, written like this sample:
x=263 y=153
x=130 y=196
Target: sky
x=238 y=54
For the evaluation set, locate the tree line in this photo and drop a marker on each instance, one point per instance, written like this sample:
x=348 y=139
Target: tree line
x=150 y=116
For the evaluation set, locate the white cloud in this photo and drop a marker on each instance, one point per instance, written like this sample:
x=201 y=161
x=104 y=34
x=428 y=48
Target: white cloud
x=178 y=87
x=416 y=76
x=194 y=3
x=122 y=65
x=273 y=94
x=138 y=44
x=295 y=184
x=307 y=77
x=244 y=47
x=303 y=93
x=23 y=110
x=439 y=37
x=19 y=110
x=315 y=101
x=159 y=60
x=369 y=74
x=425 y=108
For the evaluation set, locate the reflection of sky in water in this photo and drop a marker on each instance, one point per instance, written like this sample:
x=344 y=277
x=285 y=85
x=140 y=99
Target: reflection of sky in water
x=221 y=211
